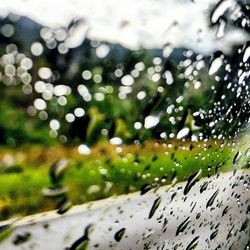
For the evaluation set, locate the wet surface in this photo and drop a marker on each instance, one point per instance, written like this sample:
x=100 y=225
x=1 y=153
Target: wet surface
x=185 y=221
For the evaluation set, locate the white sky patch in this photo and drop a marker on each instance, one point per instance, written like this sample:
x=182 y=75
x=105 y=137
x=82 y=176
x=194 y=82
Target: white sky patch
x=147 y=23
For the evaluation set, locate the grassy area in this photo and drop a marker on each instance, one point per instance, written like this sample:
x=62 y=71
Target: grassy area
x=108 y=170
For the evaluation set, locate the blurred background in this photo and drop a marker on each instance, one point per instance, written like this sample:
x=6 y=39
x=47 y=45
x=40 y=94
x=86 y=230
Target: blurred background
x=84 y=72
x=86 y=81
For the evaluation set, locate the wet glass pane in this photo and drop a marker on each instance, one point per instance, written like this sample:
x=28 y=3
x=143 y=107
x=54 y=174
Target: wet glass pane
x=124 y=124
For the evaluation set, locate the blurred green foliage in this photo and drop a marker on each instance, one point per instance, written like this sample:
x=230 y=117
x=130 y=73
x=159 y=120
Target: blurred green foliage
x=114 y=113
x=88 y=179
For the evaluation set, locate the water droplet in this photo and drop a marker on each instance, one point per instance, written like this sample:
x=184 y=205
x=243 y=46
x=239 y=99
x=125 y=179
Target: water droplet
x=145 y=188
x=217 y=167
x=225 y=210
x=247 y=153
x=211 y=200
x=191 y=181
x=221 y=28
x=63 y=206
x=244 y=225
x=183 y=133
x=204 y=186
x=151 y=121
x=236 y=157
x=219 y=10
x=154 y=158
x=154 y=207
x=5 y=231
x=193 y=244
x=119 y=234
x=82 y=242
x=230 y=233
x=57 y=171
x=11 y=169
x=182 y=226
x=54 y=192
x=21 y=238
x=172 y=196
x=215 y=65
x=214 y=234
x=246 y=54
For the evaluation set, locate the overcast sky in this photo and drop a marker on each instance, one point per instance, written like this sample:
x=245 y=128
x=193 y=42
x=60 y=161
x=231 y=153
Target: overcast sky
x=133 y=23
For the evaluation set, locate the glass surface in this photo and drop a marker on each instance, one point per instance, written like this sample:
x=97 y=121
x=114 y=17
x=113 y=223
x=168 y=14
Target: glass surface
x=101 y=99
